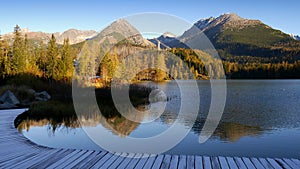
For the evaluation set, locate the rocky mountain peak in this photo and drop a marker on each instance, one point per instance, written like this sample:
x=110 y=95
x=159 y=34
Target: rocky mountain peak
x=168 y=34
x=121 y=30
x=202 y=23
x=74 y=35
x=225 y=20
x=120 y=26
x=231 y=17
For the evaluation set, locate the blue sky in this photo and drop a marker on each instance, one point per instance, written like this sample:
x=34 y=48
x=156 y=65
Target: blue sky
x=57 y=16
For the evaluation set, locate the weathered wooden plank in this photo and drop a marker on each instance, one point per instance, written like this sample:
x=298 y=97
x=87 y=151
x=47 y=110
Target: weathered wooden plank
x=86 y=160
x=198 y=162
x=174 y=161
x=256 y=163
x=265 y=163
x=35 y=159
x=282 y=163
x=141 y=162
x=291 y=163
x=71 y=159
x=78 y=160
x=149 y=163
x=274 y=163
x=135 y=160
x=108 y=162
x=190 y=161
x=231 y=163
x=223 y=163
x=19 y=162
x=206 y=163
x=118 y=161
x=52 y=158
x=158 y=162
x=92 y=160
x=10 y=150
x=15 y=160
x=215 y=163
x=182 y=162
x=296 y=161
x=240 y=163
x=166 y=162
x=127 y=160
x=62 y=159
x=248 y=163
x=4 y=158
x=102 y=160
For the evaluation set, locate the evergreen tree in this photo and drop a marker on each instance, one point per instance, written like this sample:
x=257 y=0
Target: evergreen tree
x=66 y=67
x=18 y=58
x=52 y=58
x=41 y=58
x=1 y=58
x=29 y=62
x=6 y=60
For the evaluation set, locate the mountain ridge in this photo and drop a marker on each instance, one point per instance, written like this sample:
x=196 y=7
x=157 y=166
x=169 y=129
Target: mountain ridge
x=121 y=31
x=74 y=35
x=234 y=36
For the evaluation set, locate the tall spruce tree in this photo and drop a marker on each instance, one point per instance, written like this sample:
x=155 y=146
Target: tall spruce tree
x=66 y=67
x=1 y=58
x=52 y=58
x=42 y=58
x=18 y=58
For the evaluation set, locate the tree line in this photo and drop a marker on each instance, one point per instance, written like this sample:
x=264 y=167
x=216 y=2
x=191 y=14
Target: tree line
x=57 y=62
x=24 y=56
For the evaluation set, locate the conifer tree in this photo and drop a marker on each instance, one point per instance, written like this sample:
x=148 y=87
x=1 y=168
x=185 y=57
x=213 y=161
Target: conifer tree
x=18 y=58
x=6 y=62
x=41 y=58
x=52 y=58
x=66 y=67
x=1 y=57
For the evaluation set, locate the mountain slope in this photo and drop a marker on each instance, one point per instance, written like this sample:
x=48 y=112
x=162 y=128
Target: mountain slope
x=235 y=36
x=74 y=35
x=122 y=31
x=164 y=41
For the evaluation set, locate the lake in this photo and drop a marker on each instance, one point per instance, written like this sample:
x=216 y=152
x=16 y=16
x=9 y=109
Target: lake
x=261 y=119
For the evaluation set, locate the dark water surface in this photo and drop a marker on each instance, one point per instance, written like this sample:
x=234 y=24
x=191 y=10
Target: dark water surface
x=261 y=119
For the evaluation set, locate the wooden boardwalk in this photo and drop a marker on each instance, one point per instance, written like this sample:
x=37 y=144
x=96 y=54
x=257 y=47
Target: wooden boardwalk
x=16 y=151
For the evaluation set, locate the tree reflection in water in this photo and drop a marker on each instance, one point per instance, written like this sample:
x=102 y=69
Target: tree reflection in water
x=118 y=125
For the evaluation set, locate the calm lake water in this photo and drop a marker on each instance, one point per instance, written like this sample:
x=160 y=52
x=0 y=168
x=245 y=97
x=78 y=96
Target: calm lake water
x=261 y=119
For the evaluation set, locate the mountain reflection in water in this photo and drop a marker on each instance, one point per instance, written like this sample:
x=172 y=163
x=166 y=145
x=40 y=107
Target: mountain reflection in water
x=123 y=127
x=261 y=119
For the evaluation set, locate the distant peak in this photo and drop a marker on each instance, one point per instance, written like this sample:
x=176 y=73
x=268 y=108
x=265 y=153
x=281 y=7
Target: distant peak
x=169 y=34
x=230 y=14
x=72 y=29
x=230 y=17
x=121 y=21
x=225 y=20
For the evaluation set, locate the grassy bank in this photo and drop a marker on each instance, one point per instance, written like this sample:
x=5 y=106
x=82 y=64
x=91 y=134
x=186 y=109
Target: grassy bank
x=60 y=108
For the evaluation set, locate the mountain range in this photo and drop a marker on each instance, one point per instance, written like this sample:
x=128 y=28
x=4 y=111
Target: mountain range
x=121 y=31
x=74 y=35
x=231 y=35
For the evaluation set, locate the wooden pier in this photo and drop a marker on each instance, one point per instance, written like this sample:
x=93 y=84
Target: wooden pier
x=16 y=151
